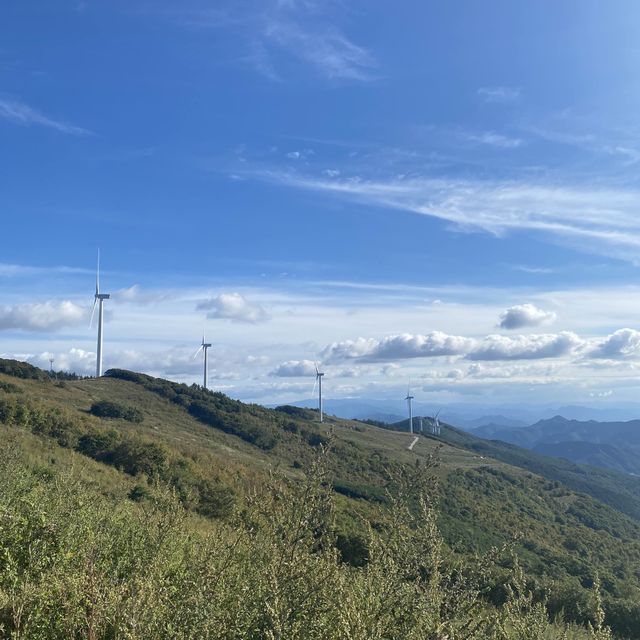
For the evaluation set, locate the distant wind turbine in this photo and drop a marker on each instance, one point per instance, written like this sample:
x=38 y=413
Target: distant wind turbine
x=435 y=424
x=318 y=381
x=99 y=299
x=409 y=398
x=204 y=347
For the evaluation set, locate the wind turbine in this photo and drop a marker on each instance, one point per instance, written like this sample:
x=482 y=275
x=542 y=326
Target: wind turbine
x=409 y=398
x=318 y=381
x=204 y=347
x=435 y=424
x=99 y=299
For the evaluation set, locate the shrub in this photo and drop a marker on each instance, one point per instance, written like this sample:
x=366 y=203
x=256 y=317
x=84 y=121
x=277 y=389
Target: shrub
x=76 y=565
x=109 y=409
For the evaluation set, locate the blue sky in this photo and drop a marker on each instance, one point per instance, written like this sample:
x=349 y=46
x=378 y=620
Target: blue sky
x=445 y=192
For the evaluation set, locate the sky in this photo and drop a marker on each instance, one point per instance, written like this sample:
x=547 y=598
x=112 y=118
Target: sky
x=436 y=193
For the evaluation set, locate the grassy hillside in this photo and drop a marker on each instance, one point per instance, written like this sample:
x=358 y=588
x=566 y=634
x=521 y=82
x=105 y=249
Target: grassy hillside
x=215 y=452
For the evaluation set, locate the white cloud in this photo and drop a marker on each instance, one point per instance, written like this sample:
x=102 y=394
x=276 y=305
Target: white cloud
x=499 y=94
x=624 y=343
x=529 y=347
x=294 y=369
x=42 y=316
x=74 y=360
x=398 y=347
x=329 y=51
x=25 y=271
x=525 y=315
x=235 y=307
x=493 y=372
x=136 y=295
x=602 y=220
x=23 y=114
x=496 y=140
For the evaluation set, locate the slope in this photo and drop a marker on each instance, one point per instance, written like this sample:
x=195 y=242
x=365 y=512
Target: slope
x=214 y=450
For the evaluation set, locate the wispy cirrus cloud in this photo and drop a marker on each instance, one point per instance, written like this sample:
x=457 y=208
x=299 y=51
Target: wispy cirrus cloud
x=499 y=94
x=22 y=114
x=281 y=31
x=494 y=139
x=25 y=271
x=329 y=51
x=601 y=220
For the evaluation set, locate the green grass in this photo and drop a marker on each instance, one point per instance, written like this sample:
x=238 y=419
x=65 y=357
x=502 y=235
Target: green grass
x=489 y=495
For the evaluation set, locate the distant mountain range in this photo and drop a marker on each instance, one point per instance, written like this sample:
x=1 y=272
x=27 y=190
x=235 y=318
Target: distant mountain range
x=468 y=416
x=612 y=445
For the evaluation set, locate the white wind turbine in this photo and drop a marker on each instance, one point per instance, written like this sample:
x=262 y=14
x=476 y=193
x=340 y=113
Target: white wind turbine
x=98 y=299
x=204 y=347
x=318 y=381
x=409 y=398
x=435 y=424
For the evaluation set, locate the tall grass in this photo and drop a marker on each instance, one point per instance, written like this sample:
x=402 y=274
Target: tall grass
x=75 y=565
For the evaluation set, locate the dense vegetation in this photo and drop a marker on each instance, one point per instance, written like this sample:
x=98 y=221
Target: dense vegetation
x=621 y=491
x=214 y=467
x=72 y=566
x=109 y=409
x=134 y=455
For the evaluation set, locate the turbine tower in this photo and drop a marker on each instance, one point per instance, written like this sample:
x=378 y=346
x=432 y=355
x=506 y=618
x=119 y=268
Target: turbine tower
x=204 y=347
x=318 y=382
x=99 y=299
x=409 y=398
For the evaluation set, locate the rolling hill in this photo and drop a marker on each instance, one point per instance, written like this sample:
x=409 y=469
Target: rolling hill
x=126 y=432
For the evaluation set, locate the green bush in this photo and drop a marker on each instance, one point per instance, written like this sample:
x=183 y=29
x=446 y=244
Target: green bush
x=109 y=409
x=75 y=565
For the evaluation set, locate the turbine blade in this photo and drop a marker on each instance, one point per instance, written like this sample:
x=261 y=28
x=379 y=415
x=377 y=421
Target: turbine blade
x=195 y=355
x=315 y=384
x=98 y=275
x=316 y=366
x=93 y=311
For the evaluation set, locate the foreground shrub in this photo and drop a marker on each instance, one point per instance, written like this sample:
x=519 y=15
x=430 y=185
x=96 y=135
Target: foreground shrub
x=74 y=565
